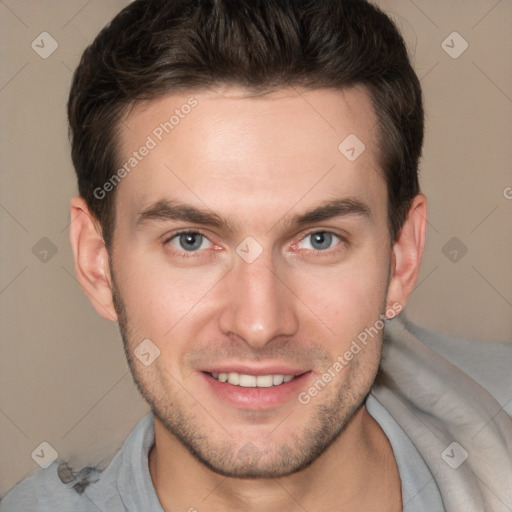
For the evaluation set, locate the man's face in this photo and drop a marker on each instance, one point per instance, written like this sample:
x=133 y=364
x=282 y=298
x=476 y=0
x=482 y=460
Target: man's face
x=284 y=262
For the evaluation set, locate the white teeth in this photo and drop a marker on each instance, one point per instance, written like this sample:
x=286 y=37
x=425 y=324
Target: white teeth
x=277 y=379
x=234 y=378
x=251 y=381
x=264 y=381
x=247 y=381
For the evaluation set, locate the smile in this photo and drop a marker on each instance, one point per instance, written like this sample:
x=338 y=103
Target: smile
x=252 y=381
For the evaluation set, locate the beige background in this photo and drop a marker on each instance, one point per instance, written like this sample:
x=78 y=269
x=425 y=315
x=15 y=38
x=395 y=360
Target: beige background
x=63 y=378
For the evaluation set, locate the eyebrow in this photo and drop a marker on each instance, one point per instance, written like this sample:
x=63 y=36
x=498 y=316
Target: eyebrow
x=335 y=208
x=172 y=210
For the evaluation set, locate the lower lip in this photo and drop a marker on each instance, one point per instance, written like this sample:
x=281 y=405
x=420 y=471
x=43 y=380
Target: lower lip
x=256 y=398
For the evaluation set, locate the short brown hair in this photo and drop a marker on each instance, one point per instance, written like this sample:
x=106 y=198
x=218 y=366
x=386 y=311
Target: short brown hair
x=154 y=47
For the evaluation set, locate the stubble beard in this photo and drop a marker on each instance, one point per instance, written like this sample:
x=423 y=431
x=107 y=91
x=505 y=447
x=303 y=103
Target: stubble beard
x=231 y=457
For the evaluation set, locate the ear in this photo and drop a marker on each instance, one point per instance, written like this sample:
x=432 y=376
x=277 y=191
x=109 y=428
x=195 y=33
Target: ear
x=91 y=259
x=407 y=253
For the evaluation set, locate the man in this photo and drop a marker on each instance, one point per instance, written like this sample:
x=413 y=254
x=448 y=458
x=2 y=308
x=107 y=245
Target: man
x=250 y=214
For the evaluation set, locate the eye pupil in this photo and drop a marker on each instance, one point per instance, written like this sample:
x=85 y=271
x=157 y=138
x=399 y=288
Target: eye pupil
x=191 y=241
x=321 y=240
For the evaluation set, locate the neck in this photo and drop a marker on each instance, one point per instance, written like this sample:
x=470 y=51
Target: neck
x=357 y=472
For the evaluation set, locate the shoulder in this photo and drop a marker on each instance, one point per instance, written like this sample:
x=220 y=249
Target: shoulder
x=60 y=489
x=53 y=489
x=488 y=363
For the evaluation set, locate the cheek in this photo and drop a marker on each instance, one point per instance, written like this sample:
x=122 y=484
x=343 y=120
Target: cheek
x=161 y=299
x=347 y=298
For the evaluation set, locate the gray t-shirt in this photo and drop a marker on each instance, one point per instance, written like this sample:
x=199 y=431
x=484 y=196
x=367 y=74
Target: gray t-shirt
x=126 y=485
x=419 y=489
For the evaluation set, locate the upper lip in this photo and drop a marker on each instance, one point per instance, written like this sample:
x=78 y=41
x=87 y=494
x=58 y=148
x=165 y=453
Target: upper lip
x=274 y=369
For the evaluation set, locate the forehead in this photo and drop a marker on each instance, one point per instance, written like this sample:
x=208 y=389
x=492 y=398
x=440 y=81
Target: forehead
x=226 y=149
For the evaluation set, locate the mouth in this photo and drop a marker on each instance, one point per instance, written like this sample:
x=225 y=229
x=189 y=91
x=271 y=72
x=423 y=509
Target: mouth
x=268 y=389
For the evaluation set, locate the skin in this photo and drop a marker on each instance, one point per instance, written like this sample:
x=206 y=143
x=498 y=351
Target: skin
x=257 y=163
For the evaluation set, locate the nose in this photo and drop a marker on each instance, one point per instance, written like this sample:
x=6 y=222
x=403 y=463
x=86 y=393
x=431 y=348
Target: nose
x=259 y=307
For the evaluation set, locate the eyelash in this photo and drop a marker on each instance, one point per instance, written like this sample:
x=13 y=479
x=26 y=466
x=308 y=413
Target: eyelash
x=192 y=254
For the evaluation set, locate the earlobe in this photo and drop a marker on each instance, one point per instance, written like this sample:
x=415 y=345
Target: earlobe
x=407 y=253
x=91 y=259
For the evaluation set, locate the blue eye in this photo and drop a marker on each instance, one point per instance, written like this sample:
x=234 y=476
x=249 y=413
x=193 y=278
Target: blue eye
x=189 y=241
x=320 y=240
